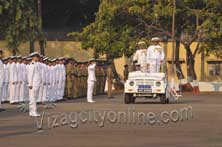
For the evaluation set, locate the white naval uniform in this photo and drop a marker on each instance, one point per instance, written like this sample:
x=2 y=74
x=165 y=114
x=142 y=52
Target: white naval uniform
x=19 y=83
x=12 y=82
x=140 y=56
x=26 y=85
x=41 y=88
x=34 y=80
x=49 y=84
x=61 y=85
x=57 y=74
x=1 y=79
x=26 y=93
x=63 y=80
x=5 y=89
x=155 y=55
x=45 y=81
x=53 y=84
x=23 y=87
x=91 y=82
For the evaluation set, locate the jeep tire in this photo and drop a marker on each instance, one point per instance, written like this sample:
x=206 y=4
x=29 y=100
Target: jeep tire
x=163 y=99
x=128 y=98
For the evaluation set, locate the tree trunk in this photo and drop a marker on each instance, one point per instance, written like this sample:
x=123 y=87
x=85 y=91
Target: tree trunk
x=31 y=46
x=42 y=47
x=202 y=65
x=14 y=51
x=179 y=71
x=191 y=74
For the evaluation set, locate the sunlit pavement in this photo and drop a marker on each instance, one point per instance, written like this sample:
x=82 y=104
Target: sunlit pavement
x=202 y=129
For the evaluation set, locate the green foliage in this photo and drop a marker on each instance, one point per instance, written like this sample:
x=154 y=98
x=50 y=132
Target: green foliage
x=119 y=24
x=106 y=35
x=19 y=22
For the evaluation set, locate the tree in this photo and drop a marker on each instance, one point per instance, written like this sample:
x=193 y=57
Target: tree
x=120 y=24
x=107 y=36
x=193 y=21
x=20 y=23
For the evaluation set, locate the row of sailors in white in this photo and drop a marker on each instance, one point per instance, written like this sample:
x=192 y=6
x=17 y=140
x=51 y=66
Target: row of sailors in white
x=19 y=75
x=149 y=59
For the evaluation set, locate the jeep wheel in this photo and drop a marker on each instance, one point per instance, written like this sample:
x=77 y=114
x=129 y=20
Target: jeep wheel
x=127 y=98
x=163 y=99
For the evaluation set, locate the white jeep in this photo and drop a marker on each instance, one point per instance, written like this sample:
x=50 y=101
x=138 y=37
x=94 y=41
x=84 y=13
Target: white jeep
x=148 y=85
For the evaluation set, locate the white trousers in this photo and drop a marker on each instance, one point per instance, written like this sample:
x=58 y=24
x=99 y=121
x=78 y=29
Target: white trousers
x=154 y=67
x=5 y=92
x=48 y=93
x=90 y=87
x=51 y=93
x=1 y=96
x=12 y=92
x=26 y=92
x=39 y=96
x=61 y=89
x=44 y=91
x=17 y=92
x=33 y=95
x=22 y=92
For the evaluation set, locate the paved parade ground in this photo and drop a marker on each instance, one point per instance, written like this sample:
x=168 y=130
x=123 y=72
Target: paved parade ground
x=77 y=123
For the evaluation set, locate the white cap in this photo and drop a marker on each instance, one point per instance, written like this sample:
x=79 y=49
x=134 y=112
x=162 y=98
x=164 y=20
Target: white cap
x=155 y=39
x=34 y=54
x=53 y=60
x=61 y=58
x=92 y=59
x=141 y=43
x=46 y=58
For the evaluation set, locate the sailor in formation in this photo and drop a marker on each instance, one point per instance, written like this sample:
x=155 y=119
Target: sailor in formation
x=31 y=79
x=1 y=76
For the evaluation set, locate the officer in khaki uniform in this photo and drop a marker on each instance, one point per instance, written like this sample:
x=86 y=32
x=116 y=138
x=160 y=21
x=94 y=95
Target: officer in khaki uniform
x=98 y=80
x=103 y=81
x=75 y=76
x=125 y=72
x=85 y=79
x=78 y=80
x=110 y=80
x=69 y=80
x=81 y=80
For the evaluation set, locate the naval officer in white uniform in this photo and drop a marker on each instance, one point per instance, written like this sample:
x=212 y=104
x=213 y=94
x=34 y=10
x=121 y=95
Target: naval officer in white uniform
x=140 y=56
x=12 y=79
x=155 y=56
x=1 y=75
x=34 y=81
x=91 y=80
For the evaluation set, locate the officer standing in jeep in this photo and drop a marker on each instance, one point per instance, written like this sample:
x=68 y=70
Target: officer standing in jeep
x=155 y=56
x=139 y=57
